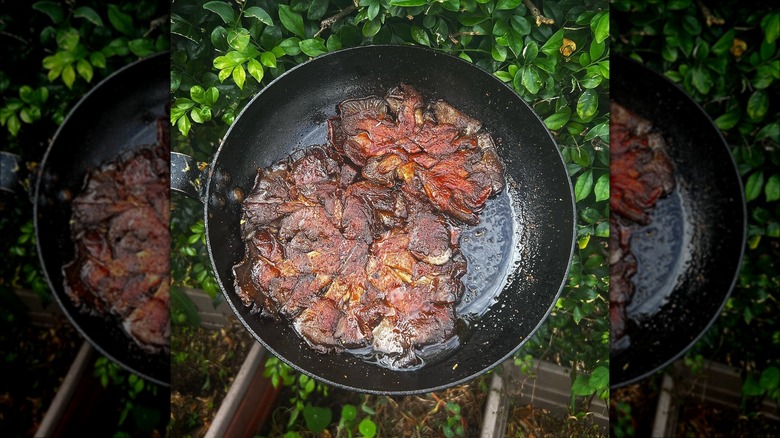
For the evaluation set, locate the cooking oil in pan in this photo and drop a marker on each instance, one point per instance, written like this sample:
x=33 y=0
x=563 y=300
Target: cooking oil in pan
x=492 y=250
x=660 y=251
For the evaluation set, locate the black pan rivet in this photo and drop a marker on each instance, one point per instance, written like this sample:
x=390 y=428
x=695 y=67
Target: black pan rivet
x=237 y=195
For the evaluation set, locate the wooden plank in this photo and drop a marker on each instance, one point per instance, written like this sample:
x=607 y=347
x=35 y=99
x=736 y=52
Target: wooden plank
x=496 y=414
x=248 y=403
x=63 y=400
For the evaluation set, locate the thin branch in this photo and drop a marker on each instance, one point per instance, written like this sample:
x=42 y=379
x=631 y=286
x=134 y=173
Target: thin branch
x=155 y=23
x=540 y=19
x=16 y=37
x=711 y=19
x=326 y=23
x=454 y=36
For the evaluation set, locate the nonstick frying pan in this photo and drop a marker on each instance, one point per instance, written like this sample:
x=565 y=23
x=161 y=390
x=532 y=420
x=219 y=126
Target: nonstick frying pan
x=689 y=256
x=528 y=237
x=117 y=116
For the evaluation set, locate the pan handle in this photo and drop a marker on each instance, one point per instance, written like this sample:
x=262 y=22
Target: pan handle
x=188 y=176
x=14 y=177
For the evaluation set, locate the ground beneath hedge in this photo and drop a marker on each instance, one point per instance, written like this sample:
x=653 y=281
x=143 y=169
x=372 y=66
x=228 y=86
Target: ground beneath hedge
x=204 y=363
x=35 y=360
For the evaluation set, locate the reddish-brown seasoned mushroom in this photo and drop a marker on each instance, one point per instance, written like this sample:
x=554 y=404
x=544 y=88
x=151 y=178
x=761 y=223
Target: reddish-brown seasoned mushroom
x=356 y=243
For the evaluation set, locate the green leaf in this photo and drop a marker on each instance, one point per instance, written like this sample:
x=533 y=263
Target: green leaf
x=292 y=21
x=596 y=49
x=758 y=104
x=14 y=125
x=770 y=131
x=182 y=103
x=504 y=5
x=259 y=14
x=117 y=46
x=238 y=39
x=530 y=79
x=701 y=79
x=25 y=115
x=770 y=24
x=184 y=127
x=367 y=428
x=770 y=378
x=371 y=28
x=577 y=314
x=498 y=53
x=520 y=24
x=317 y=9
x=68 y=39
x=579 y=156
x=313 y=47
x=755 y=183
x=255 y=69
x=602 y=188
x=68 y=75
x=121 y=21
x=599 y=378
x=239 y=76
x=141 y=47
x=580 y=386
x=724 y=43
x=504 y=76
x=198 y=94
x=530 y=51
x=599 y=25
x=772 y=189
x=676 y=5
x=553 y=44
x=88 y=14
x=408 y=3
x=52 y=9
x=230 y=59
x=584 y=185
x=181 y=303
x=97 y=59
x=223 y=9
x=728 y=120
x=587 y=104
x=201 y=115
x=334 y=43
x=348 y=413
x=559 y=119
x=84 y=69
x=420 y=35
x=291 y=46
x=691 y=25
x=268 y=59
x=316 y=418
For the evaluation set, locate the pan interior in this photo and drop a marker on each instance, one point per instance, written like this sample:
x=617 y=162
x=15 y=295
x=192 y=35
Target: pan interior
x=117 y=116
x=523 y=283
x=692 y=250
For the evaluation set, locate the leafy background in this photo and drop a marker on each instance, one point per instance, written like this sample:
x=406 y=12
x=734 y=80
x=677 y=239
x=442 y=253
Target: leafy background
x=223 y=53
x=731 y=68
x=53 y=52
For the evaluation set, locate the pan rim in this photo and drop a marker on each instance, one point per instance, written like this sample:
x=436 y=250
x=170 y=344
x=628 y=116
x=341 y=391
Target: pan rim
x=687 y=99
x=428 y=388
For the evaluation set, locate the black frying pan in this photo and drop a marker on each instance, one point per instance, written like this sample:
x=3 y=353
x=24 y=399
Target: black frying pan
x=689 y=256
x=531 y=242
x=118 y=115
